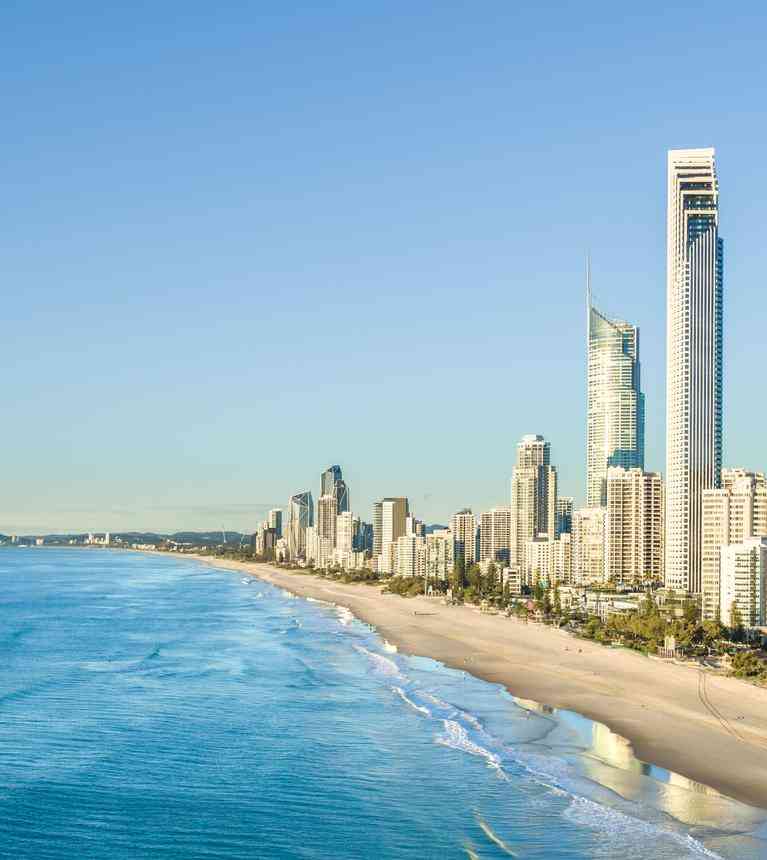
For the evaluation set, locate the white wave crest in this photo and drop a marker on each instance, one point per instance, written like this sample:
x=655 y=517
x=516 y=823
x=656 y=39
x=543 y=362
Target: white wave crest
x=345 y=616
x=416 y=707
x=288 y=594
x=392 y=649
x=382 y=664
x=493 y=837
x=456 y=737
x=607 y=819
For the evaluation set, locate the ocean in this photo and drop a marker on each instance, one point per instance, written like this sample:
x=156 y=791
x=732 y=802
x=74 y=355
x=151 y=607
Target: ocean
x=161 y=708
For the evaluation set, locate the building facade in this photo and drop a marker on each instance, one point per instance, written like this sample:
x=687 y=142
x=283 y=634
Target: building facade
x=533 y=496
x=393 y=515
x=564 y=518
x=731 y=515
x=615 y=407
x=694 y=359
x=588 y=546
x=463 y=525
x=742 y=583
x=300 y=517
x=495 y=535
x=634 y=526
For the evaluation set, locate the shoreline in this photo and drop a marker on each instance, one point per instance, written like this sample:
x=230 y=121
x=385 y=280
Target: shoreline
x=659 y=708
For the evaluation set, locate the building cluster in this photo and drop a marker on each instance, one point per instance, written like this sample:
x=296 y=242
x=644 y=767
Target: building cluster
x=702 y=533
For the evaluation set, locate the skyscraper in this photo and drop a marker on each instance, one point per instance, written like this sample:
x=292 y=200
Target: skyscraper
x=327 y=514
x=274 y=521
x=533 y=496
x=463 y=525
x=693 y=358
x=300 y=518
x=495 y=535
x=615 y=413
x=389 y=523
x=564 y=520
x=332 y=484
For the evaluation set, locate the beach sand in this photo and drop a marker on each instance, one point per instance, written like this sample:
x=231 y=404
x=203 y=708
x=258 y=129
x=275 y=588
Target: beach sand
x=657 y=706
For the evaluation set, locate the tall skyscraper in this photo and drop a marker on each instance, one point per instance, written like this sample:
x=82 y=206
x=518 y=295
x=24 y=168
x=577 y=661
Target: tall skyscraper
x=332 y=484
x=693 y=358
x=615 y=409
x=300 y=518
x=533 y=496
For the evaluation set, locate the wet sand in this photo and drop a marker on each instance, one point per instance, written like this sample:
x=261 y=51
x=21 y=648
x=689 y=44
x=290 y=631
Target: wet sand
x=710 y=729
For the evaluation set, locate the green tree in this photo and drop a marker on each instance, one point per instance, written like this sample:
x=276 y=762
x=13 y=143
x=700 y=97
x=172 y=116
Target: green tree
x=458 y=578
x=736 y=623
x=557 y=601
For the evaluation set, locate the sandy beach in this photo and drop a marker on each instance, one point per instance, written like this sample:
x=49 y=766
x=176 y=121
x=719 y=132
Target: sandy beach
x=710 y=729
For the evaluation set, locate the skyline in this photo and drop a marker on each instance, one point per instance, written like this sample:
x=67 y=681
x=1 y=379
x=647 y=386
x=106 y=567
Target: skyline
x=230 y=269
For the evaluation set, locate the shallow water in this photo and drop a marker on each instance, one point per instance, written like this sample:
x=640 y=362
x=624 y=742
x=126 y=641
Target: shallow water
x=156 y=707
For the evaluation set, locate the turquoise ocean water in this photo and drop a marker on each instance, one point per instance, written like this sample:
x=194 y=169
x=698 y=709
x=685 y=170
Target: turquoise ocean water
x=156 y=707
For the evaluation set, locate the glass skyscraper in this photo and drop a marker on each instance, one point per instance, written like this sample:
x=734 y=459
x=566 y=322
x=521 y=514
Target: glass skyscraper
x=615 y=413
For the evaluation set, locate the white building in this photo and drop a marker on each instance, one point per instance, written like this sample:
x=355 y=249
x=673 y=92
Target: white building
x=694 y=359
x=463 y=525
x=731 y=514
x=615 y=404
x=410 y=557
x=742 y=581
x=495 y=535
x=533 y=497
x=391 y=519
x=634 y=526
x=588 y=546
x=440 y=555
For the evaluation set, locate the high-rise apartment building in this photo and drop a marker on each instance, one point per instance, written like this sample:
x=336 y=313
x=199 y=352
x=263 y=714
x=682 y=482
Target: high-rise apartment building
x=274 y=521
x=495 y=535
x=634 y=526
x=588 y=546
x=347 y=527
x=731 y=515
x=533 y=496
x=389 y=523
x=440 y=555
x=564 y=518
x=334 y=500
x=300 y=517
x=410 y=556
x=615 y=408
x=463 y=525
x=742 y=585
x=694 y=359
x=327 y=515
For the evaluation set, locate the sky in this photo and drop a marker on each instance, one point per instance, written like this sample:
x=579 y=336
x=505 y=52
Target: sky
x=243 y=241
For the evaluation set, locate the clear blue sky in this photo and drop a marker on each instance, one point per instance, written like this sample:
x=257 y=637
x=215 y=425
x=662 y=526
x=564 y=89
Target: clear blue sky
x=243 y=241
